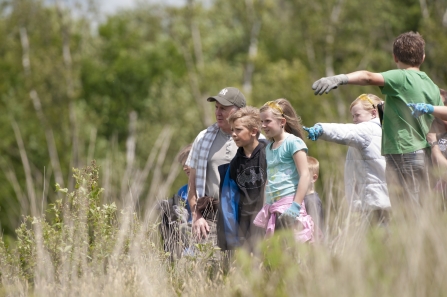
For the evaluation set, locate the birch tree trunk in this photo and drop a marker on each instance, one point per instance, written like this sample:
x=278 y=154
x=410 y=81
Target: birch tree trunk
x=52 y=150
x=253 y=48
x=329 y=59
x=66 y=54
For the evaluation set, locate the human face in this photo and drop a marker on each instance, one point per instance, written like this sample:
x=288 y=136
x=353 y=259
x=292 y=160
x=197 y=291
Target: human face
x=270 y=125
x=242 y=136
x=186 y=169
x=222 y=113
x=360 y=115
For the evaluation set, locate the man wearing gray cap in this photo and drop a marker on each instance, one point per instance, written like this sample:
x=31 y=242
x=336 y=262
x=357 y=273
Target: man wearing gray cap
x=213 y=146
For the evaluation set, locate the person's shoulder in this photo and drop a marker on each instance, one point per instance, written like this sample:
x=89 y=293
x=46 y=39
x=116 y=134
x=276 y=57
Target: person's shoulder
x=372 y=123
x=213 y=128
x=369 y=128
x=294 y=143
x=294 y=139
x=393 y=73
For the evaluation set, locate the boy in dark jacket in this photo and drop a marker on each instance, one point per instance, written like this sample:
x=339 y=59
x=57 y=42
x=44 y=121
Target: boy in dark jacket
x=242 y=189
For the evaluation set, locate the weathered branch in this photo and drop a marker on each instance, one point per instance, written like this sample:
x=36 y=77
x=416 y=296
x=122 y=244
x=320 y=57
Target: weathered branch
x=92 y=144
x=26 y=167
x=194 y=68
x=66 y=54
x=195 y=33
x=140 y=179
x=424 y=9
x=194 y=85
x=54 y=158
x=253 y=48
x=444 y=19
x=329 y=58
x=173 y=173
x=11 y=176
x=156 y=178
x=130 y=151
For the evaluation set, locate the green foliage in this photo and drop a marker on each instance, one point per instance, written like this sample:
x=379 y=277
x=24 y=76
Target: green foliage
x=162 y=63
x=80 y=228
x=78 y=240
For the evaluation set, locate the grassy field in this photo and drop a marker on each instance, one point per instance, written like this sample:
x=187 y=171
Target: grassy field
x=82 y=247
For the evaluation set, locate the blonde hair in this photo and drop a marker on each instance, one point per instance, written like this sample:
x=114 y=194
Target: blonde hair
x=250 y=118
x=314 y=165
x=368 y=101
x=184 y=153
x=282 y=109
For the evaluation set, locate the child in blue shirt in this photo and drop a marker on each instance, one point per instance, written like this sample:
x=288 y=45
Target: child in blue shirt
x=287 y=172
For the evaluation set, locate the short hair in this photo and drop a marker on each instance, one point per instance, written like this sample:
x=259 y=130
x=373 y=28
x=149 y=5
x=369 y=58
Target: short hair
x=314 y=165
x=368 y=101
x=184 y=153
x=443 y=96
x=409 y=48
x=250 y=118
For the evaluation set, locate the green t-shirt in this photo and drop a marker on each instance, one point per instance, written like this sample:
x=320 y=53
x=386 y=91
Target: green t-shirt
x=401 y=132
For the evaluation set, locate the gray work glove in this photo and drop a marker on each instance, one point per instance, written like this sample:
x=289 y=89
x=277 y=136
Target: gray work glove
x=325 y=84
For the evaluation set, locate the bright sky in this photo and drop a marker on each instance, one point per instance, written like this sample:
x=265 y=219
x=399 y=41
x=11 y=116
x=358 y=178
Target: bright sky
x=111 y=6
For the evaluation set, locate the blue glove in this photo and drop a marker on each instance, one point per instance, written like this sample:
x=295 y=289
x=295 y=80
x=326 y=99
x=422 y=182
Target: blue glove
x=314 y=132
x=293 y=211
x=420 y=109
x=325 y=84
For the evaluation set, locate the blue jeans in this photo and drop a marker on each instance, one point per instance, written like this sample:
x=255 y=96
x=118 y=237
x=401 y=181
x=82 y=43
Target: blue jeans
x=407 y=177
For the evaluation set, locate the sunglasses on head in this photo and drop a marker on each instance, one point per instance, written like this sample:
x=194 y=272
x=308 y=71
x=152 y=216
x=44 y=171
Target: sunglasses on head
x=365 y=97
x=274 y=105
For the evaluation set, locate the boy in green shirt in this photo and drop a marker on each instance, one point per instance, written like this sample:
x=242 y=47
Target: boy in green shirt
x=404 y=137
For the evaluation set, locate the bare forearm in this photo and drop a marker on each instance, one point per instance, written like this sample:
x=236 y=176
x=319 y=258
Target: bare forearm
x=440 y=112
x=365 y=78
x=301 y=191
x=437 y=157
x=192 y=193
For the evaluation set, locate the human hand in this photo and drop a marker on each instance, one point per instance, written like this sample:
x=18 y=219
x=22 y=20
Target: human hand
x=292 y=212
x=314 y=132
x=420 y=109
x=200 y=228
x=326 y=84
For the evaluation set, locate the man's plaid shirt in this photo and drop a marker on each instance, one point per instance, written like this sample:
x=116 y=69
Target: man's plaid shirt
x=198 y=156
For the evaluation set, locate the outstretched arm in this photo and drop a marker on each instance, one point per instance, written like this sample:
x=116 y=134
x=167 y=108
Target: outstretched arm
x=355 y=135
x=440 y=112
x=419 y=109
x=363 y=77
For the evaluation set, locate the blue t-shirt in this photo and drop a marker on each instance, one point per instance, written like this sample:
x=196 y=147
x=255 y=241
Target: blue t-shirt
x=183 y=192
x=282 y=174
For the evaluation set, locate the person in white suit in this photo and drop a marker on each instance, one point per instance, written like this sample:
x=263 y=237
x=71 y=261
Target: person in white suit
x=365 y=179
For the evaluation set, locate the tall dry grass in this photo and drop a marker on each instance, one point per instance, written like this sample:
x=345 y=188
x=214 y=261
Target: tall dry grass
x=83 y=247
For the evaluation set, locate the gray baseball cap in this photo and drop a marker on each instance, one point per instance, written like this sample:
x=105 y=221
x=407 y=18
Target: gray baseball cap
x=229 y=96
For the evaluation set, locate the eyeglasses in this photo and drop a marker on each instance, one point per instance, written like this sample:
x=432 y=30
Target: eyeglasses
x=365 y=97
x=274 y=105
